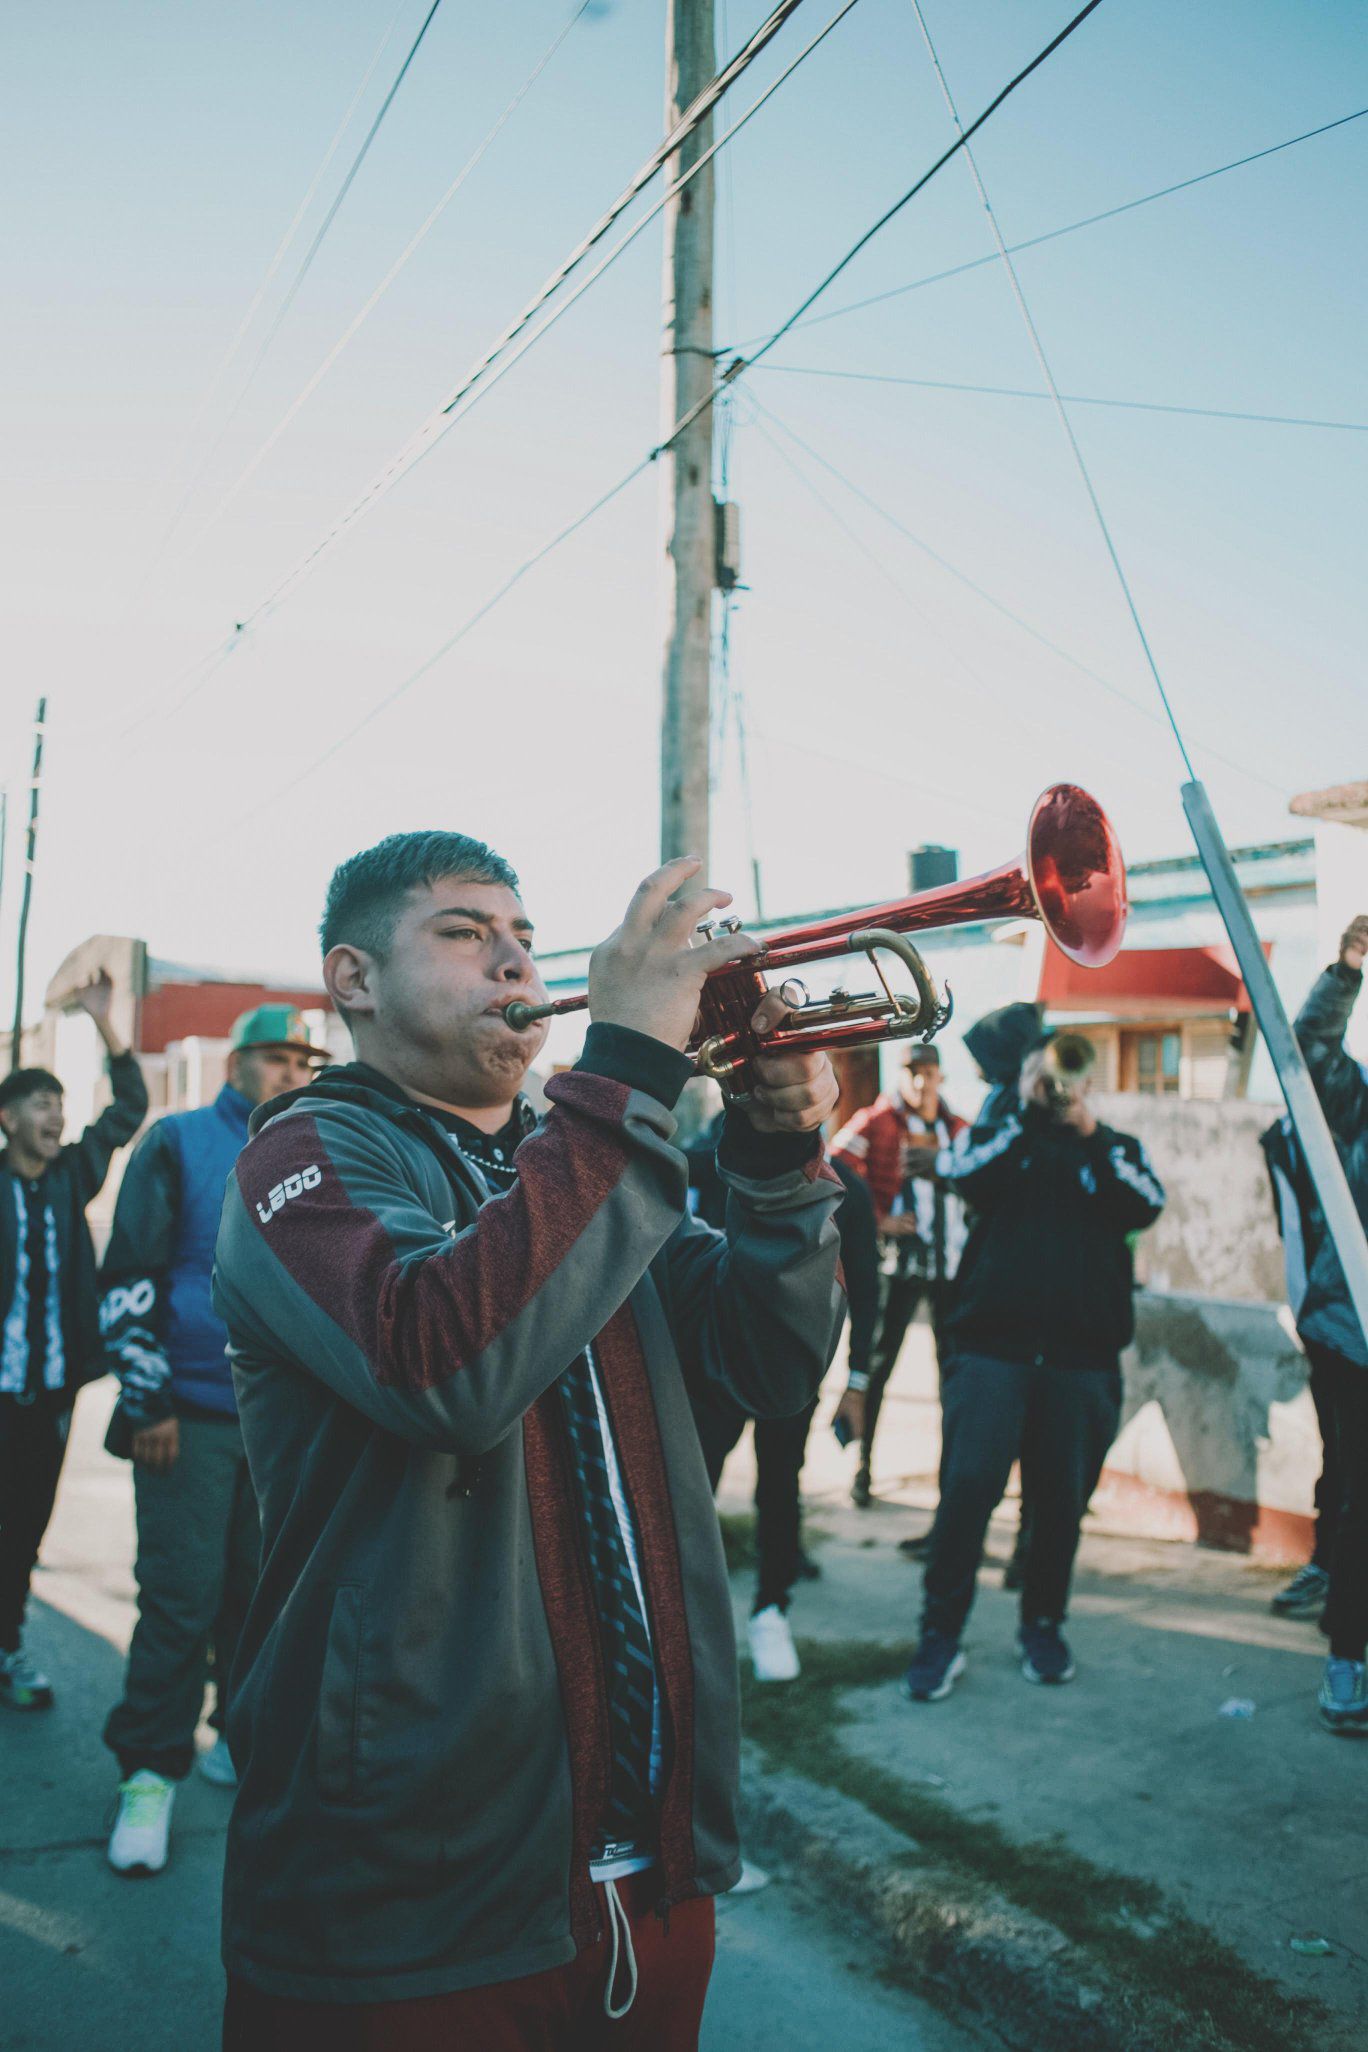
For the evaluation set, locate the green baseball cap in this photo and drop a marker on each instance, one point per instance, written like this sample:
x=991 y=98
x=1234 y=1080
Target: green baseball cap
x=275 y=1026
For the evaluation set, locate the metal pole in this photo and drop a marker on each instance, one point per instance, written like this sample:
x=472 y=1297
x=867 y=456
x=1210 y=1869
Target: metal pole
x=1308 y=1120
x=687 y=486
x=30 y=848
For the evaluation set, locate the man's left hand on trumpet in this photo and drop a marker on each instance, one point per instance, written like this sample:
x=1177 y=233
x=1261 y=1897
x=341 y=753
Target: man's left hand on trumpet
x=791 y=1091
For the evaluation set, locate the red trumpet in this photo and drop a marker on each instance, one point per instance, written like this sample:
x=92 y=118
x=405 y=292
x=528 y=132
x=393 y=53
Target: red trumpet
x=1072 y=878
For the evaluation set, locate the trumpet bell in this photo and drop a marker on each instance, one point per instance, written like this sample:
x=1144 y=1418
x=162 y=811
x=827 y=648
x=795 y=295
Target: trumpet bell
x=1077 y=875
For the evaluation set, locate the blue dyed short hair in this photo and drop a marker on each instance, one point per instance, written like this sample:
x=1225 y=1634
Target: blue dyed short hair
x=367 y=891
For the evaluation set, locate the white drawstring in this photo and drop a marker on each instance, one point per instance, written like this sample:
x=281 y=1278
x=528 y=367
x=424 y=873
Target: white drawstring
x=622 y=1936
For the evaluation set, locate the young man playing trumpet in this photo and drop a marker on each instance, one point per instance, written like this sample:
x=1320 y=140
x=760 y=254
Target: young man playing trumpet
x=485 y=1708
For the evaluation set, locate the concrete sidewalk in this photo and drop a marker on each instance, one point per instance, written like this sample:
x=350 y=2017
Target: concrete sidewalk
x=93 y=1962
x=1249 y=1825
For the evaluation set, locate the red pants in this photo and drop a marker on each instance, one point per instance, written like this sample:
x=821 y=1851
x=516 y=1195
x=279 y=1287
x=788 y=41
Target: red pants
x=561 y=2010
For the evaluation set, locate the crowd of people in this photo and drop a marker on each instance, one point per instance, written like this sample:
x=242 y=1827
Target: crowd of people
x=427 y=1399
x=1016 y=1235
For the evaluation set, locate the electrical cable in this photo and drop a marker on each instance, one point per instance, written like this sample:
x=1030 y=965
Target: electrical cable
x=307 y=262
x=471 y=621
x=410 y=249
x=837 y=313
x=734 y=370
x=809 y=370
x=1060 y=408
x=438 y=422
x=254 y=307
x=961 y=142
x=858 y=542
x=489 y=368
x=998 y=605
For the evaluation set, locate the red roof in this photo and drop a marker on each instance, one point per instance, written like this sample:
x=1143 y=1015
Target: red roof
x=177 y=1011
x=1144 y=981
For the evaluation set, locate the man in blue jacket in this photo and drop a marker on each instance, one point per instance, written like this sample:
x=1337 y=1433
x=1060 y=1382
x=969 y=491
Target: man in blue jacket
x=1327 y=1320
x=177 y=1418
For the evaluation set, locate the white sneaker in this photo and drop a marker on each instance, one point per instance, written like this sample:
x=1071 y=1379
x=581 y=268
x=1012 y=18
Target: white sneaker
x=753 y=1879
x=217 y=1764
x=773 y=1653
x=141 y=1836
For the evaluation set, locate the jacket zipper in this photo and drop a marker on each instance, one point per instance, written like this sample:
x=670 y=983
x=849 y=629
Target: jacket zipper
x=586 y=1581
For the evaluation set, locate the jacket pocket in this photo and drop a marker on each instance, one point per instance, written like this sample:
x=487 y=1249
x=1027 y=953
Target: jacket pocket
x=339 y=1698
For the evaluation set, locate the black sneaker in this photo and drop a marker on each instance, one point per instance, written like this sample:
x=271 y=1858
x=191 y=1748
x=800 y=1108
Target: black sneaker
x=860 y=1494
x=936 y=1666
x=1304 y=1595
x=22 y=1685
x=916 y=1548
x=1045 y=1655
x=808 y=1569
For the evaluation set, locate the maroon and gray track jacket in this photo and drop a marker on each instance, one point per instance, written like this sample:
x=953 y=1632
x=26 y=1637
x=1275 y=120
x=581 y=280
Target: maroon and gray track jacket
x=418 y=1709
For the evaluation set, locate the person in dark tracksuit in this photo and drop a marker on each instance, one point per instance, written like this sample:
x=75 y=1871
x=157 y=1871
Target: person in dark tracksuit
x=999 y=1043
x=1042 y=1311
x=49 y=1310
x=177 y=1420
x=781 y=1443
x=1329 y=1322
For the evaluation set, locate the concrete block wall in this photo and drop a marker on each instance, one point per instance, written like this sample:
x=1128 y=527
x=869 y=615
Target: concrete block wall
x=1219 y=1439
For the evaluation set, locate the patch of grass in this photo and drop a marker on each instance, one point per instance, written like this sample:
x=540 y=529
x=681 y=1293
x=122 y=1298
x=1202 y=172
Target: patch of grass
x=1230 y=2006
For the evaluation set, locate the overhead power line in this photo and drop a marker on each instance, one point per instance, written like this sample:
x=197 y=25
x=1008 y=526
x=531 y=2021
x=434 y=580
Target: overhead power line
x=734 y=370
x=837 y=313
x=409 y=250
x=307 y=261
x=1048 y=374
x=254 y=306
x=490 y=369
x=970 y=584
x=811 y=370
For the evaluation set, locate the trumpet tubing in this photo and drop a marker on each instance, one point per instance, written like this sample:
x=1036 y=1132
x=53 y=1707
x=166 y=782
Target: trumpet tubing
x=1071 y=878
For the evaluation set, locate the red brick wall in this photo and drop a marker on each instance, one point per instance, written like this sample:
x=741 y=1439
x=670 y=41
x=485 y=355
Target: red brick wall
x=175 y=1011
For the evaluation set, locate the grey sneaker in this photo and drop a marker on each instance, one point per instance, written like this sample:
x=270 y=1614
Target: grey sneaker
x=936 y=1666
x=1343 y=1698
x=1044 y=1650
x=22 y=1685
x=1304 y=1595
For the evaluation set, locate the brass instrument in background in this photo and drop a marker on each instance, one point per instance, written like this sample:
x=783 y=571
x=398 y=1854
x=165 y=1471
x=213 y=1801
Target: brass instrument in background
x=1067 y=1061
x=1071 y=877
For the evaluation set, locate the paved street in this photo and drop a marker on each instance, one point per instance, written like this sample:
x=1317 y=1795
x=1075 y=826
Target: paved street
x=1186 y=1756
x=91 y=1962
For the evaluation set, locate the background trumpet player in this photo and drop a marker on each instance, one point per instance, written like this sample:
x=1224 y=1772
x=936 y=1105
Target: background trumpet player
x=1031 y=1365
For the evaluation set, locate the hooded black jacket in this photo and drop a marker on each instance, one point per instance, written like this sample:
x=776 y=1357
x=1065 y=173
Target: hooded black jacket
x=1000 y=1042
x=1046 y=1273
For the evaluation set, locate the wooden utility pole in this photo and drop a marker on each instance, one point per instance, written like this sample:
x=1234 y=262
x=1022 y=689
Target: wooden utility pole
x=30 y=849
x=687 y=489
